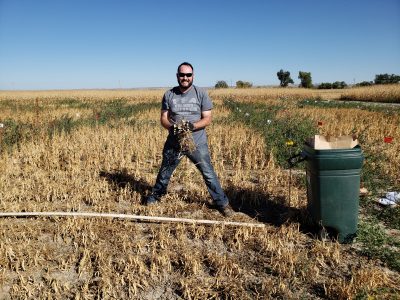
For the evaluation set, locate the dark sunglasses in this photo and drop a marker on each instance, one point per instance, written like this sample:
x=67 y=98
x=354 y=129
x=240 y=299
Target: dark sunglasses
x=185 y=74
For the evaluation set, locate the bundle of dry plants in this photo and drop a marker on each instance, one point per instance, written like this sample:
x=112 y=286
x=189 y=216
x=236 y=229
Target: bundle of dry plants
x=184 y=135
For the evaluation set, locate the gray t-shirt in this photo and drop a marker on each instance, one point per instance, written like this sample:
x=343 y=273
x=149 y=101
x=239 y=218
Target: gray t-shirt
x=187 y=106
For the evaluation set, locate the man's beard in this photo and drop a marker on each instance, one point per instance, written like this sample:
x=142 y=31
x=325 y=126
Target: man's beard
x=185 y=87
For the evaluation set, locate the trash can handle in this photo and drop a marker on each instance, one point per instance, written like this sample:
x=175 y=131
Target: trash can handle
x=297 y=158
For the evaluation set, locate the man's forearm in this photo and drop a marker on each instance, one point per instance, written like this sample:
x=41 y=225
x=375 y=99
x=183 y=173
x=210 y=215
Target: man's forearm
x=202 y=123
x=164 y=120
x=166 y=123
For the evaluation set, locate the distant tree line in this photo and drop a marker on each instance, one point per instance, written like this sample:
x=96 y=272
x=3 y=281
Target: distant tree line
x=243 y=84
x=334 y=85
x=306 y=81
x=386 y=79
x=364 y=83
x=221 y=84
x=381 y=79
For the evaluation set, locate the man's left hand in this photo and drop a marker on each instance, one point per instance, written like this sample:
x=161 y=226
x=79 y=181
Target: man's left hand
x=191 y=126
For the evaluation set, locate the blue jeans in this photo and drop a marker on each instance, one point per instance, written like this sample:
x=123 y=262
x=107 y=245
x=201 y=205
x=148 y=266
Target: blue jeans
x=201 y=158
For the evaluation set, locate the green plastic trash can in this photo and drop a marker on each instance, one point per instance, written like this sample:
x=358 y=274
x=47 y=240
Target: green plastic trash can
x=333 y=189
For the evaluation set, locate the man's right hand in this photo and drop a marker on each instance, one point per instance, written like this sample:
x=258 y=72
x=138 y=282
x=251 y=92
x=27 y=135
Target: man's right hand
x=177 y=130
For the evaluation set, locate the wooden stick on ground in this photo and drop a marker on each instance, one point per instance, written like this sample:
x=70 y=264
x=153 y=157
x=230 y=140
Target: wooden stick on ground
x=127 y=216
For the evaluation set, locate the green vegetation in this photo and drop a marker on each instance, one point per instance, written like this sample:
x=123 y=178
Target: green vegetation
x=365 y=83
x=284 y=78
x=72 y=103
x=277 y=132
x=373 y=176
x=377 y=243
x=335 y=85
x=105 y=113
x=374 y=241
x=305 y=79
x=221 y=84
x=13 y=132
x=386 y=78
x=318 y=102
x=243 y=84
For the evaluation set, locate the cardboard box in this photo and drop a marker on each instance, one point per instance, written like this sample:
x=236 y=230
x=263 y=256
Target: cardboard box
x=320 y=142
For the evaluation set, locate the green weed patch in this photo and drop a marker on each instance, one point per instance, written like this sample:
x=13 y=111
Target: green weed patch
x=72 y=103
x=283 y=137
x=109 y=113
x=376 y=243
x=389 y=110
x=14 y=133
x=262 y=118
x=120 y=110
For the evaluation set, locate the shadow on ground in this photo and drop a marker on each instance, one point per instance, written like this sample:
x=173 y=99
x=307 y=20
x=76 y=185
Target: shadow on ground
x=122 y=179
x=257 y=204
x=264 y=208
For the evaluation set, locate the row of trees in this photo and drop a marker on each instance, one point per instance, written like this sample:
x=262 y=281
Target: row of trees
x=239 y=84
x=306 y=81
x=285 y=79
x=334 y=85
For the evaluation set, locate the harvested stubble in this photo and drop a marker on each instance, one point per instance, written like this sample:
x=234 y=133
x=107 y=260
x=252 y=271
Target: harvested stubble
x=263 y=94
x=98 y=258
x=107 y=169
x=82 y=95
x=380 y=93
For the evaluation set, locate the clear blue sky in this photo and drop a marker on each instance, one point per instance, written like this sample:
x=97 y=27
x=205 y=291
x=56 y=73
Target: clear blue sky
x=73 y=44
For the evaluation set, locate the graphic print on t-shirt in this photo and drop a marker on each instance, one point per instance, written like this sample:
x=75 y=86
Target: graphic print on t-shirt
x=184 y=106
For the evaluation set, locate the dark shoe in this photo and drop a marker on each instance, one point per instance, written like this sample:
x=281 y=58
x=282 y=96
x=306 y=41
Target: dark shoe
x=226 y=211
x=151 y=200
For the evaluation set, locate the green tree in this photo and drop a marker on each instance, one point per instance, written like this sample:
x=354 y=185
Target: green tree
x=305 y=79
x=339 y=85
x=284 y=77
x=335 y=85
x=365 y=83
x=386 y=78
x=221 y=84
x=325 y=85
x=243 y=84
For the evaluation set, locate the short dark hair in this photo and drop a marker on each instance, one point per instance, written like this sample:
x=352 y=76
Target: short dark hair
x=185 y=64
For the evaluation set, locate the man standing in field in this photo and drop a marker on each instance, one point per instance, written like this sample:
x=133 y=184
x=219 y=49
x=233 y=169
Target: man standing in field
x=189 y=105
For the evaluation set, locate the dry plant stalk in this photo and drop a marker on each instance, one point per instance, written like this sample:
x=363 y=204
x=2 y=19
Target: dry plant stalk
x=185 y=137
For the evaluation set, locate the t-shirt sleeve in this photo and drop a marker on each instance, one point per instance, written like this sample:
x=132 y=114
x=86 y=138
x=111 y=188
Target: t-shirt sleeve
x=165 y=102
x=206 y=103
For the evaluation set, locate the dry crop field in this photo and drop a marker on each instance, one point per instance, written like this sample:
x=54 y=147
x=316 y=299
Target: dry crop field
x=99 y=151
